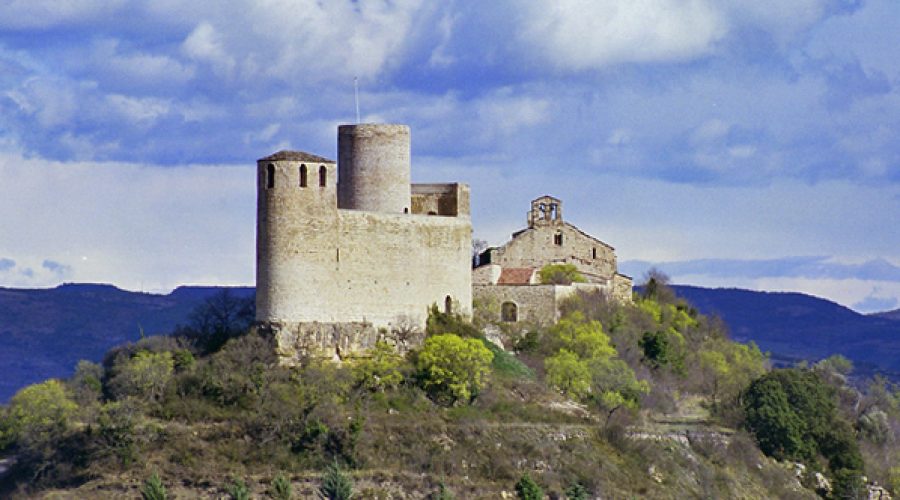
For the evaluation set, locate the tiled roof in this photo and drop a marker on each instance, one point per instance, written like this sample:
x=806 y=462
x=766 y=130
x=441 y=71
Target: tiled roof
x=516 y=276
x=296 y=156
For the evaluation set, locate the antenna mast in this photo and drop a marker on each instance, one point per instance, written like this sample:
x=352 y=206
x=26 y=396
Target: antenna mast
x=356 y=95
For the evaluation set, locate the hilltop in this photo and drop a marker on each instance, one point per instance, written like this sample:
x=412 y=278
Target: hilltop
x=44 y=332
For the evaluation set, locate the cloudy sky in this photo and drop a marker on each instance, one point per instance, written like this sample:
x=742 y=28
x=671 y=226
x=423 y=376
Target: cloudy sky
x=748 y=143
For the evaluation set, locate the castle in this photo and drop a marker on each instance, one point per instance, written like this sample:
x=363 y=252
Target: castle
x=350 y=253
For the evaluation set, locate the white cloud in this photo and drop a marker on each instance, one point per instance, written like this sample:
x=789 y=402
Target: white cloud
x=585 y=34
x=132 y=225
x=142 y=111
x=42 y=14
x=205 y=44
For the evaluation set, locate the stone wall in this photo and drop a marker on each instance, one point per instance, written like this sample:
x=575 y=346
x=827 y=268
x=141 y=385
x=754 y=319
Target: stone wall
x=297 y=342
x=440 y=199
x=535 y=247
x=622 y=288
x=537 y=304
x=369 y=267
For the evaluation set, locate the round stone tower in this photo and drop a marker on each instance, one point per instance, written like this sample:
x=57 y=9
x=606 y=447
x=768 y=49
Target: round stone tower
x=296 y=218
x=373 y=168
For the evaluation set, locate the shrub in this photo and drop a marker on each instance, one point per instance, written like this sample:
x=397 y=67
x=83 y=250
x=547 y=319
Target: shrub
x=568 y=373
x=440 y=323
x=793 y=415
x=442 y=493
x=335 y=484
x=560 y=274
x=238 y=490
x=85 y=383
x=116 y=431
x=219 y=318
x=656 y=348
x=281 y=488
x=153 y=488
x=576 y=491
x=527 y=489
x=381 y=370
x=452 y=368
x=39 y=414
x=506 y=364
x=144 y=376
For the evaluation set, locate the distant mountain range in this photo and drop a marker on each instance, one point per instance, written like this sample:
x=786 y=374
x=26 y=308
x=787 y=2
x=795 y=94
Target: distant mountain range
x=799 y=326
x=894 y=315
x=44 y=332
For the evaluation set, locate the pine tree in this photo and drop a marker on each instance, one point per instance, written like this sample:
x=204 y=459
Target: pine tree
x=335 y=484
x=153 y=488
x=527 y=489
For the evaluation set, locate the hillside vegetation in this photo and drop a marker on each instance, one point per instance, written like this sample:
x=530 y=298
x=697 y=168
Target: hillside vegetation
x=648 y=400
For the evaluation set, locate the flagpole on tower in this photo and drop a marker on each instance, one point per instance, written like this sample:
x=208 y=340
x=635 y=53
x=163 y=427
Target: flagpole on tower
x=356 y=95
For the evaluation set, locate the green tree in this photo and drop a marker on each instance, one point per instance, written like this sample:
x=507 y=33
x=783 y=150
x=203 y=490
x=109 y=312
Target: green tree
x=39 y=414
x=568 y=373
x=560 y=274
x=153 y=488
x=335 y=484
x=144 y=376
x=452 y=368
x=727 y=368
x=381 y=370
x=86 y=382
x=656 y=348
x=219 y=318
x=615 y=386
x=580 y=336
x=576 y=491
x=528 y=489
x=116 y=430
x=793 y=414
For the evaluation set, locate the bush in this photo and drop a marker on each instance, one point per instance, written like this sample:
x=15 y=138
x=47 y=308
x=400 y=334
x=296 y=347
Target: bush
x=560 y=274
x=576 y=492
x=793 y=415
x=335 y=484
x=218 y=319
x=153 y=488
x=116 y=431
x=527 y=489
x=144 y=376
x=238 y=490
x=381 y=370
x=39 y=414
x=568 y=373
x=281 y=488
x=452 y=368
x=442 y=493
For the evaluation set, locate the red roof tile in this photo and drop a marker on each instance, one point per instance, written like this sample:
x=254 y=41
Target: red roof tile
x=516 y=276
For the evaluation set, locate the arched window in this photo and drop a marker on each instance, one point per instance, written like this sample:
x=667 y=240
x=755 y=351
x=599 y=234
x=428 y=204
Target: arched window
x=303 y=176
x=323 y=176
x=448 y=305
x=509 y=312
x=270 y=176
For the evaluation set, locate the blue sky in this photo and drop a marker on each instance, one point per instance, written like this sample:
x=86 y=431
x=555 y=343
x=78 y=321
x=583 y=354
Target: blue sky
x=730 y=143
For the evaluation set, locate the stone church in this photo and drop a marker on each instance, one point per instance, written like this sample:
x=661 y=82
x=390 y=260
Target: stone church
x=507 y=276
